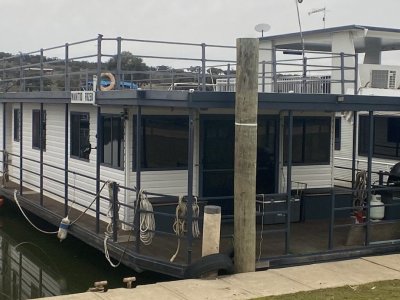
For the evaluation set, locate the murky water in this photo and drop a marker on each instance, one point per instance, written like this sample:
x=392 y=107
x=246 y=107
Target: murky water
x=35 y=265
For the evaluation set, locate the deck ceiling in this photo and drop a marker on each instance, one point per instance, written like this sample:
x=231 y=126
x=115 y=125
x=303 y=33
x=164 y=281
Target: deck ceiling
x=321 y=40
x=213 y=100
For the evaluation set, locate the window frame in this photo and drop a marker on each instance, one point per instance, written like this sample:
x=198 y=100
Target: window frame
x=121 y=141
x=363 y=136
x=17 y=124
x=42 y=144
x=79 y=157
x=143 y=127
x=303 y=120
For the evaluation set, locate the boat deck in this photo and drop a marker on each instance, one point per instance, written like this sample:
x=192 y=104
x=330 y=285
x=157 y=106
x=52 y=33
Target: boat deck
x=275 y=245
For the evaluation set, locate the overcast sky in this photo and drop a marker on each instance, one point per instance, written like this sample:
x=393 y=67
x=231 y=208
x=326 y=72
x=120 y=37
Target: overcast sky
x=33 y=24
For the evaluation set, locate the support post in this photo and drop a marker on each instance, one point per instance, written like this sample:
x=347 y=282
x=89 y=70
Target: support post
x=115 y=211
x=354 y=154
x=245 y=154
x=342 y=78
x=98 y=162
x=138 y=174
x=369 y=171
x=41 y=121
x=289 y=182
x=66 y=166
x=21 y=139
x=190 y=188
x=98 y=71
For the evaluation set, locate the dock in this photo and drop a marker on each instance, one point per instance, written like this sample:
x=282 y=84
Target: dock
x=263 y=283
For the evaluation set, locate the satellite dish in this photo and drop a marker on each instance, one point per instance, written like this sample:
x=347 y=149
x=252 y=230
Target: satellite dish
x=262 y=28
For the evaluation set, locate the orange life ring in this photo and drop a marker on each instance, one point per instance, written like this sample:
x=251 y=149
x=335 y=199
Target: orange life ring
x=112 y=82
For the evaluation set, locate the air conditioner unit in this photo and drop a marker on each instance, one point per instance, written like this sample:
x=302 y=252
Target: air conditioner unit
x=383 y=79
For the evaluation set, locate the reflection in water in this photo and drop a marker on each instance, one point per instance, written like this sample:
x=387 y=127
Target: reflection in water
x=24 y=275
x=35 y=265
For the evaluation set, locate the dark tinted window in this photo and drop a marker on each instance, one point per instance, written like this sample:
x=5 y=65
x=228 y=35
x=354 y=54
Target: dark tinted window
x=17 y=117
x=113 y=140
x=338 y=132
x=164 y=142
x=386 y=136
x=311 y=140
x=36 y=121
x=80 y=146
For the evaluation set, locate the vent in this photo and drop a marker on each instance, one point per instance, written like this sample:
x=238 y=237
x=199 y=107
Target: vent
x=383 y=79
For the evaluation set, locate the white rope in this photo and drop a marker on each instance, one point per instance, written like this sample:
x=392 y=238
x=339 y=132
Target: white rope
x=26 y=217
x=179 y=226
x=147 y=221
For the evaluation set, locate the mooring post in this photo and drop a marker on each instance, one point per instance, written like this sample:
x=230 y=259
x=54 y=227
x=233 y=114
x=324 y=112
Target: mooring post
x=245 y=154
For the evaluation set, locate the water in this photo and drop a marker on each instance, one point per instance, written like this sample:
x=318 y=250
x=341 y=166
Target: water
x=34 y=265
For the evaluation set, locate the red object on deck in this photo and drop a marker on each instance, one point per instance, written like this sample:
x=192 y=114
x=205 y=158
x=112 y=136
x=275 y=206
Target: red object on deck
x=1 y=201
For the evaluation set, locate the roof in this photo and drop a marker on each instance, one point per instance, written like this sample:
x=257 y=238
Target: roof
x=320 y=39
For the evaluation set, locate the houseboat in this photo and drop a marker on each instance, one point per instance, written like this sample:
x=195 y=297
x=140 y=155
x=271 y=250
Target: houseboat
x=121 y=167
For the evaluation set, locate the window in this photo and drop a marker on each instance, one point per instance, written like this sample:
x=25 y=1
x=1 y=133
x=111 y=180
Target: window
x=17 y=120
x=36 y=123
x=80 y=146
x=386 y=137
x=164 y=142
x=338 y=132
x=311 y=140
x=112 y=140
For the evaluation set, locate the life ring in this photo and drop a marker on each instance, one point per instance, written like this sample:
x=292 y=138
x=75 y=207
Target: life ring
x=111 y=78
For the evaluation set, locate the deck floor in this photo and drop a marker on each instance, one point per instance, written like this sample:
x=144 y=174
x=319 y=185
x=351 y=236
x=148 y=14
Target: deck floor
x=309 y=237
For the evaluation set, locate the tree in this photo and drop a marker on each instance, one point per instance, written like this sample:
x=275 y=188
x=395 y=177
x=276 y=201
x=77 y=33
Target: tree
x=133 y=64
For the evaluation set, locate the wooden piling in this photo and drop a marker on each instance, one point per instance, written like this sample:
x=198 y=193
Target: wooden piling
x=245 y=154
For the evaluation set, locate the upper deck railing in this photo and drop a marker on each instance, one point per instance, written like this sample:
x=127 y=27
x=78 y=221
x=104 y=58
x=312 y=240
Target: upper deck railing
x=147 y=64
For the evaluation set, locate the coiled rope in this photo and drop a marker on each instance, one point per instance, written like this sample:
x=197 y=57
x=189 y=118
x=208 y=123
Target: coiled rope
x=179 y=226
x=147 y=221
x=360 y=191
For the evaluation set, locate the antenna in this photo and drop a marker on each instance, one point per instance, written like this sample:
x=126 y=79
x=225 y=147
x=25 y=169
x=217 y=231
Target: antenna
x=318 y=10
x=262 y=28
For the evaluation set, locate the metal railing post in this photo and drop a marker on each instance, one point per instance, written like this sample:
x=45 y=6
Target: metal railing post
x=67 y=82
x=203 y=67
x=98 y=162
x=138 y=175
x=41 y=143
x=356 y=74
x=21 y=138
x=228 y=73
x=21 y=74
x=332 y=219
x=98 y=72
x=119 y=62
x=289 y=182
x=304 y=81
x=115 y=211
x=41 y=70
x=190 y=188
x=342 y=79
x=369 y=179
x=354 y=152
x=274 y=72
x=66 y=166
x=263 y=77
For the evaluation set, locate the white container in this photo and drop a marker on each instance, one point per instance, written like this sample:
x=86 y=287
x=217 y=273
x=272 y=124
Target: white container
x=377 y=210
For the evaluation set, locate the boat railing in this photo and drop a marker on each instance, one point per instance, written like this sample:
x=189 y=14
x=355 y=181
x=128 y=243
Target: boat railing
x=163 y=65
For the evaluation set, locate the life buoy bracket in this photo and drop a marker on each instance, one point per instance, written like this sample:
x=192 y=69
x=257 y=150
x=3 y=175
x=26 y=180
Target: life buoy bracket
x=111 y=78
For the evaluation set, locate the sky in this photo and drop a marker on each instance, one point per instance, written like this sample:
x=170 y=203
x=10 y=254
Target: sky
x=29 y=25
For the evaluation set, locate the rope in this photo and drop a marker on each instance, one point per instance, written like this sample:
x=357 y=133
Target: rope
x=360 y=193
x=87 y=208
x=179 y=226
x=26 y=217
x=147 y=221
x=108 y=233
